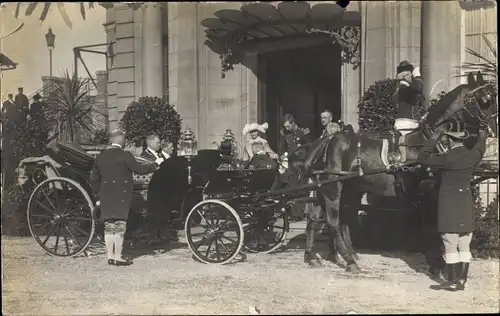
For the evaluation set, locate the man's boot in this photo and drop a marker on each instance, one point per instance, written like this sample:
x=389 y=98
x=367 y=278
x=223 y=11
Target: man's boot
x=452 y=282
x=463 y=271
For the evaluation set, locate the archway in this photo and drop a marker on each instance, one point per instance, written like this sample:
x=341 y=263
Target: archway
x=316 y=41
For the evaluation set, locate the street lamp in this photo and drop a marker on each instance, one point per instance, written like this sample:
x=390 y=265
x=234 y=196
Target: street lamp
x=50 y=38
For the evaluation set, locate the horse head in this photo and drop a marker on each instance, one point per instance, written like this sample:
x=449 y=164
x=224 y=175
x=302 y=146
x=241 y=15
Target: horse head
x=481 y=104
x=473 y=103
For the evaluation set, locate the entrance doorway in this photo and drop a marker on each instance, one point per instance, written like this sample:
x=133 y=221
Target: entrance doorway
x=303 y=82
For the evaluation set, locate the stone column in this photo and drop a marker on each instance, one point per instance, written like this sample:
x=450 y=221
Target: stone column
x=101 y=98
x=152 y=61
x=390 y=34
x=441 y=24
x=110 y=28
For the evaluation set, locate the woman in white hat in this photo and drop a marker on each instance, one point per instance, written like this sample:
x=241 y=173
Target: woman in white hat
x=256 y=145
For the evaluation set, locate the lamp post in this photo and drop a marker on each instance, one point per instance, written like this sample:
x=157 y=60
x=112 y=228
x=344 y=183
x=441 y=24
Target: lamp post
x=188 y=148
x=50 y=38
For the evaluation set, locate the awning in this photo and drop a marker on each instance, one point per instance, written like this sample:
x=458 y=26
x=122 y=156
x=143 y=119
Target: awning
x=234 y=32
x=6 y=63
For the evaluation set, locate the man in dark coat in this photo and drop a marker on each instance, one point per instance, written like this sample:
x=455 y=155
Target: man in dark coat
x=409 y=86
x=22 y=101
x=153 y=152
x=36 y=111
x=455 y=219
x=153 y=147
x=112 y=183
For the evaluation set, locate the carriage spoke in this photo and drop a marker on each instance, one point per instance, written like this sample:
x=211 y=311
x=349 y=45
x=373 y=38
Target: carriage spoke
x=217 y=249
x=208 y=249
x=228 y=239
x=46 y=208
x=48 y=199
x=49 y=234
x=43 y=225
x=41 y=216
x=68 y=213
x=82 y=231
x=71 y=234
x=273 y=226
x=222 y=243
x=57 y=238
x=212 y=218
x=66 y=244
x=200 y=243
x=203 y=217
x=86 y=219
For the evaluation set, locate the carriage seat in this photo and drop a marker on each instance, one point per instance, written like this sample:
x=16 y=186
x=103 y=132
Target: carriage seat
x=70 y=153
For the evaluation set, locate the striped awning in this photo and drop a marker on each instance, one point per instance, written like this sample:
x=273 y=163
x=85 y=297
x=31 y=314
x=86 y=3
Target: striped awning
x=6 y=63
x=232 y=32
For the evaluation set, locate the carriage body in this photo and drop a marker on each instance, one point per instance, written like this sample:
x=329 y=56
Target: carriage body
x=62 y=216
x=61 y=211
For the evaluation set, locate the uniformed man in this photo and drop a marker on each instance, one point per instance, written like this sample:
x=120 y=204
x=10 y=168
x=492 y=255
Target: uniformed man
x=292 y=137
x=22 y=100
x=455 y=219
x=409 y=86
x=112 y=183
x=330 y=127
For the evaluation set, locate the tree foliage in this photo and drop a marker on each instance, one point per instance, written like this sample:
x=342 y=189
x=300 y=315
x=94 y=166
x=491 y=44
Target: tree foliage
x=62 y=9
x=485 y=239
x=71 y=105
x=151 y=115
x=376 y=110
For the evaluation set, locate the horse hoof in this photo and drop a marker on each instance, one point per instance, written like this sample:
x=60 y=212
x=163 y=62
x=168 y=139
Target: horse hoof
x=355 y=257
x=353 y=268
x=315 y=264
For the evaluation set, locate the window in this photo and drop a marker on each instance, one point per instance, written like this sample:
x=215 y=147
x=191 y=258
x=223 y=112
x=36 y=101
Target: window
x=479 y=22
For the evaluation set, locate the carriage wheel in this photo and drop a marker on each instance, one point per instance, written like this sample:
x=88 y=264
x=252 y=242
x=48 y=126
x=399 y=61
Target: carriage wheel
x=60 y=217
x=218 y=238
x=265 y=230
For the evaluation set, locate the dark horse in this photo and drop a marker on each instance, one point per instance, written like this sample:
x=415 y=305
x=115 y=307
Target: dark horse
x=343 y=150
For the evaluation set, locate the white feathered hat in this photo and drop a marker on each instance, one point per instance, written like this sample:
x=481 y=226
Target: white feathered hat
x=250 y=127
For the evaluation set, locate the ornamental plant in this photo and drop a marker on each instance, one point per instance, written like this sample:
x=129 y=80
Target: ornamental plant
x=151 y=115
x=485 y=239
x=376 y=110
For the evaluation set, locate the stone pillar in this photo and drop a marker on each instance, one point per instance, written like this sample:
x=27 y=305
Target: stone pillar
x=183 y=62
x=152 y=61
x=351 y=92
x=391 y=33
x=441 y=24
x=110 y=28
x=101 y=98
x=124 y=58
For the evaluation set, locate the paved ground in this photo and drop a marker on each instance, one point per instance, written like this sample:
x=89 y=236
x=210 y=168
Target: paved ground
x=172 y=282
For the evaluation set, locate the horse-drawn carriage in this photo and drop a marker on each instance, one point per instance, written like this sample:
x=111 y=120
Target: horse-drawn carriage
x=222 y=209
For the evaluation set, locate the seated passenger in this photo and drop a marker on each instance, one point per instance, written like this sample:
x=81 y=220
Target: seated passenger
x=256 y=147
x=330 y=127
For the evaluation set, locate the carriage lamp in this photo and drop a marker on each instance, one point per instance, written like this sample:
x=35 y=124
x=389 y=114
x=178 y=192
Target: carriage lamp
x=188 y=148
x=188 y=144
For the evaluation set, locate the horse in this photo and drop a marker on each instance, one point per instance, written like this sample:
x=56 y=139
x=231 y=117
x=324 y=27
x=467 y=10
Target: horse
x=344 y=152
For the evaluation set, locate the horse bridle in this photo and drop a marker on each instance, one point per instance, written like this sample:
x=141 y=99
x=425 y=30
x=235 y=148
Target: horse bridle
x=483 y=120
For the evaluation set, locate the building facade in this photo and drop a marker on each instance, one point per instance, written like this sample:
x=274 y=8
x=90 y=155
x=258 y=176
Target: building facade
x=280 y=63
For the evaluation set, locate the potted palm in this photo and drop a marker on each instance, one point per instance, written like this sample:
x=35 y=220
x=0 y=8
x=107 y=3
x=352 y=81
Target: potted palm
x=72 y=107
